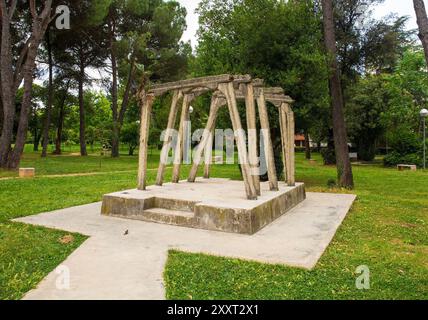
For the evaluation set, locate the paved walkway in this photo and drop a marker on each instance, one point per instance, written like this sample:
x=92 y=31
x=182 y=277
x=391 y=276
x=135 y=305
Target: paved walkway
x=114 y=265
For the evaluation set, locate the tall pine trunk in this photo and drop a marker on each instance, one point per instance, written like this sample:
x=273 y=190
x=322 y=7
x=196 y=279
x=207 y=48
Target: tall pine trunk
x=7 y=95
x=82 y=136
x=114 y=107
x=47 y=122
x=421 y=15
x=60 y=125
x=307 y=146
x=344 y=169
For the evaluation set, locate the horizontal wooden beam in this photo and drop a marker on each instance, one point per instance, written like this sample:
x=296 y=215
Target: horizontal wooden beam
x=275 y=96
x=203 y=84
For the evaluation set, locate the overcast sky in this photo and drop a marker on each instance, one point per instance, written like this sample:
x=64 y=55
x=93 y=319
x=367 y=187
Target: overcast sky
x=401 y=7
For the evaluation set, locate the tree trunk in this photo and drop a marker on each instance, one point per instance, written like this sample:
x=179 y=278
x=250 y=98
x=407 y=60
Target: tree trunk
x=114 y=107
x=50 y=98
x=344 y=169
x=83 y=151
x=12 y=76
x=307 y=146
x=421 y=15
x=7 y=96
x=21 y=135
x=61 y=122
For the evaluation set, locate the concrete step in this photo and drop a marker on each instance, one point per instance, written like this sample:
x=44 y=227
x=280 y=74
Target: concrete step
x=174 y=204
x=168 y=216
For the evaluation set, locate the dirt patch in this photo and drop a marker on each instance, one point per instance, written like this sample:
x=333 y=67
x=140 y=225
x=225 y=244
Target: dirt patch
x=66 y=239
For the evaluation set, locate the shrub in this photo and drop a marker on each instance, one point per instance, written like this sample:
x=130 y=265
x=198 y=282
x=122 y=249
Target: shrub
x=329 y=156
x=394 y=158
x=407 y=149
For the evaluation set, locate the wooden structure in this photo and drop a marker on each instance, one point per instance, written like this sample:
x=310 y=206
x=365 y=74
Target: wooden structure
x=226 y=90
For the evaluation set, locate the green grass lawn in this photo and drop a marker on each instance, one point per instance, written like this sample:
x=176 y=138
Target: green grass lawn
x=386 y=230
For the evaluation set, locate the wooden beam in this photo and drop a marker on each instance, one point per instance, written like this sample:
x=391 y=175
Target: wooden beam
x=229 y=92
x=268 y=148
x=206 y=137
x=248 y=91
x=208 y=155
x=178 y=154
x=210 y=82
x=284 y=138
x=178 y=95
x=146 y=111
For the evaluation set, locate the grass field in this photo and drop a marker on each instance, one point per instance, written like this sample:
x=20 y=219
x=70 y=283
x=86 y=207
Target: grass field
x=387 y=230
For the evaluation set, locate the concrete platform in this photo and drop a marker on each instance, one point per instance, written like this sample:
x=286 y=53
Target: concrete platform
x=112 y=265
x=211 y=204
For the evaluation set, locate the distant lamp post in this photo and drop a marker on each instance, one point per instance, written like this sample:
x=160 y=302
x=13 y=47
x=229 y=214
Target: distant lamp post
x=424 y=115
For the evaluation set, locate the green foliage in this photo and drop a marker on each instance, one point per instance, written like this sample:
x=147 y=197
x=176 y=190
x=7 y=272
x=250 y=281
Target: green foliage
x=407 y=149
x=329 y=156
x=130 y=135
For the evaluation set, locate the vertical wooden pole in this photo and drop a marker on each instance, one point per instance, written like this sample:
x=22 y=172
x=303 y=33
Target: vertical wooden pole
x=178 y=154
x=168 y=137
x=228 y=90
x=248 y=91
x=208 y=155
x=284 y=138
x=268 y=148
x=206 y=137
x=146 y=112
x=291 y=180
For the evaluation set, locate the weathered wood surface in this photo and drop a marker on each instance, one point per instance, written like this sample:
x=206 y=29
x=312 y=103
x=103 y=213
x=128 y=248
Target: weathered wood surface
x=229 y=92
x=146 y=112
x=205 y=140
x=178 y=95
x=203 y=83
x=248 y=91
x=267 y=142
x=178 y=154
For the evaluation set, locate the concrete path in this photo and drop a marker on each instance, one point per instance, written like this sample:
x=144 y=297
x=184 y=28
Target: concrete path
x=112 y=265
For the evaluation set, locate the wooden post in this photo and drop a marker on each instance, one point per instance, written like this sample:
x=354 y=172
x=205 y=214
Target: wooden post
x=268 y=148
x=284 y=138
x=144 y=140
x=291 y=180
x=208 y=154
x=168 y=136
x=287 y=121
x=228 y=90
x=178 y=154
x=248 y=91
x=205 y=140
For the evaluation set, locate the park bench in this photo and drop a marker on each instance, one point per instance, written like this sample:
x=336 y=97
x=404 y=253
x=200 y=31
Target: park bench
x=402 y=167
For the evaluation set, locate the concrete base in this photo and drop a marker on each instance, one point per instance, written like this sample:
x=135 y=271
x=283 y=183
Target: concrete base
x=211 y=204
x=115 y=264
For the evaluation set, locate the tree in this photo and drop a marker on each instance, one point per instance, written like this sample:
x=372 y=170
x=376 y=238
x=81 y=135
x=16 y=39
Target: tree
x=17 y=64
x=83 y=46
x=278 y=41
x=422 y=18
x=47 y=122
x=149 y=37
x=343 y=162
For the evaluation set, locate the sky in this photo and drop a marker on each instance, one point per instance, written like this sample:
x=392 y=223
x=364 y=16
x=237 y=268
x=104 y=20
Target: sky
x=400 y=7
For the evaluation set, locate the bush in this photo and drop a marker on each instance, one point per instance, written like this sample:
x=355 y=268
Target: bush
x=407 y=149
x=394 y=158
x=329 y=156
